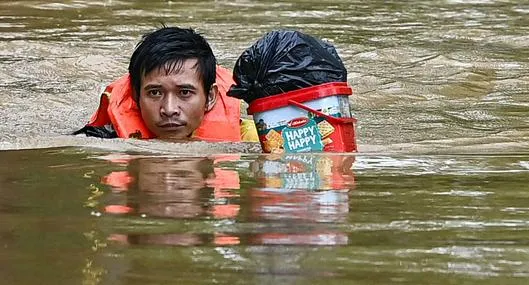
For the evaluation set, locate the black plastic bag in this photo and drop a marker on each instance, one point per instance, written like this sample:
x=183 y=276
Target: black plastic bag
x=283 y=61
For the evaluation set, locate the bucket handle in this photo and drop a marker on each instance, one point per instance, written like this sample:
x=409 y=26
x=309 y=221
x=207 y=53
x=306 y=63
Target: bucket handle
x=327 y=117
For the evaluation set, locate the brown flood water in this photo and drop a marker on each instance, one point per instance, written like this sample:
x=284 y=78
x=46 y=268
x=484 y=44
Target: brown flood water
x=440 y=76
x=72 y=216
x=437 y=194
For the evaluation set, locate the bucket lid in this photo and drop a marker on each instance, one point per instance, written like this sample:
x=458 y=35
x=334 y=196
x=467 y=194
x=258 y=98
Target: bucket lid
x=300 y=95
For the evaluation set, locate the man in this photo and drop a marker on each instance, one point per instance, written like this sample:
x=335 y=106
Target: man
x=174 y=90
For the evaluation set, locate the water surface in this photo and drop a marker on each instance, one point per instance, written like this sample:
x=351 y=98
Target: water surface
x=80 y=217
x=425 y=73
x=436 y=195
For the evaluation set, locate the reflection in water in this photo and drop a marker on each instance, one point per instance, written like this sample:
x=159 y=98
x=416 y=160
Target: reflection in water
x=194 y=203
x=301 y=192
x=175 y=188
x=302 y=188
x=409 y=220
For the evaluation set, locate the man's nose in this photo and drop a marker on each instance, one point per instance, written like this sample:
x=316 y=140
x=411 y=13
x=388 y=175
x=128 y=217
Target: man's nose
x=170 y=106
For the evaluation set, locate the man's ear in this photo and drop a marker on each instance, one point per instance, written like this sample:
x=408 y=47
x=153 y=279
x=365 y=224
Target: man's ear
x=213 y=94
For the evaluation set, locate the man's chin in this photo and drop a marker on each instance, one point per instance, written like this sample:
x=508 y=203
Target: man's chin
x=174 y=136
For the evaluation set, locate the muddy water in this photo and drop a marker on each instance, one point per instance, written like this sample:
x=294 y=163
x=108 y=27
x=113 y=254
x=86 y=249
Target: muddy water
x=437 y=194
x=85 y=217
x=436 y=75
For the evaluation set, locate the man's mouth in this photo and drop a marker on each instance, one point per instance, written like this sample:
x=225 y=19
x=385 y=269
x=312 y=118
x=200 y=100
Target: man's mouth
x=169 y=126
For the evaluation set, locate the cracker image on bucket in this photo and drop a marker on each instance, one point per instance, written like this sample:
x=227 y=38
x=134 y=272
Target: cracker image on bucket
x=325 y=128
x=326 y=141
x=274 y=141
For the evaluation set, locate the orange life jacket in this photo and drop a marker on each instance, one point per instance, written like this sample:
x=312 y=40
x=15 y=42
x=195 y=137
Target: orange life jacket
x=117 y=107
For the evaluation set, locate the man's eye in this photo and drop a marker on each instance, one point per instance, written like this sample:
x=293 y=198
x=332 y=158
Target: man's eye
x=155 y=93
x=186 y=93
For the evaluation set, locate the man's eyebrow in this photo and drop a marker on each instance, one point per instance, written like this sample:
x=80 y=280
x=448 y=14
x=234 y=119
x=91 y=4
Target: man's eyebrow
x=187 y=86
x=152 y=86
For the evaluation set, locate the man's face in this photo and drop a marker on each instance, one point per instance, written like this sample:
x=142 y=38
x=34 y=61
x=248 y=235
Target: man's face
x=173 y=105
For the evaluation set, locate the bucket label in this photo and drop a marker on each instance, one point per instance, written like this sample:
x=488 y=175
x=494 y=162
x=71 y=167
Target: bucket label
x=301 y=135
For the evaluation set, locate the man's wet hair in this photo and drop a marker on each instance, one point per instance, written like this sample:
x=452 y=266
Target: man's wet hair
x=168 y=48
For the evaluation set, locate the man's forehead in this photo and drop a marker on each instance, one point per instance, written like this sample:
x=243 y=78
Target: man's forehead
x=174 y=68
x=178 y=66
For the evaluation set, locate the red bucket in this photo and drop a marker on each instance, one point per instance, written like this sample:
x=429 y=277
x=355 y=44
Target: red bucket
x=316 y=118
